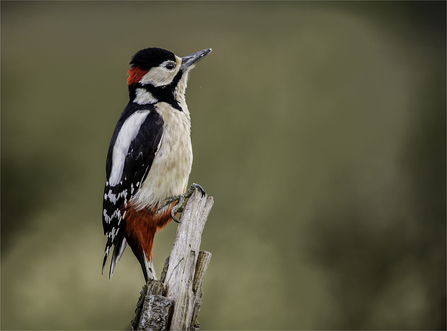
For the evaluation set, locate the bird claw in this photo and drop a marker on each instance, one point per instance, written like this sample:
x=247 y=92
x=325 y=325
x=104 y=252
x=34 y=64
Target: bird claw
x=193 y=187
x=181 y=199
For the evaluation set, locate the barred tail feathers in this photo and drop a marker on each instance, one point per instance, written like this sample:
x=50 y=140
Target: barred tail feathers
x=120 y=246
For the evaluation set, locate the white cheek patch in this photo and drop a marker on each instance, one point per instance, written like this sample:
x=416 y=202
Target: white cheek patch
x=144 y=97
x=127 y=134
x=160 y=76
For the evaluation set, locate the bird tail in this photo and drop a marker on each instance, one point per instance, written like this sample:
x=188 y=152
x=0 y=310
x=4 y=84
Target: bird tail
x=120 y=246
x=147 y=266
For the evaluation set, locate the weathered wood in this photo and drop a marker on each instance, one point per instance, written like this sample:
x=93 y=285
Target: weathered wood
x=153 y=308
x=173 y=302
x=165 y=269
x=203 y=260
x=140 y=302
x=183 y=258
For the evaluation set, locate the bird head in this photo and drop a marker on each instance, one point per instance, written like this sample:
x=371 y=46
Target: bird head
x=160 y=75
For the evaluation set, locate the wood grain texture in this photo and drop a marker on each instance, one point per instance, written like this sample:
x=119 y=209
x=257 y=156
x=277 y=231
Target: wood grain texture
x=183 y=259
x=174 y=301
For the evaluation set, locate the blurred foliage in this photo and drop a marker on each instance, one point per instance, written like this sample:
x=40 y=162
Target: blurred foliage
x=318 y=127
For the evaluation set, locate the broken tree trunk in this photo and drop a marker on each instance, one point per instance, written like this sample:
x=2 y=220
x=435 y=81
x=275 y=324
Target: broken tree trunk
x=174 y=301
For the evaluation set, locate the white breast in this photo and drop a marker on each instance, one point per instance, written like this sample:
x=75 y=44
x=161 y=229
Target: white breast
x=169 y=173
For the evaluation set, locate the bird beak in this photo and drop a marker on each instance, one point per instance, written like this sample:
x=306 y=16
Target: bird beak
x=189 y=60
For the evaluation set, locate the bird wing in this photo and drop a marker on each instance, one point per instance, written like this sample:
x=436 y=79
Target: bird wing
x=131 y=152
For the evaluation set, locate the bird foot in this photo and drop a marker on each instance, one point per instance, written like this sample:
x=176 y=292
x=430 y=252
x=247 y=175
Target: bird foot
x=181 y=200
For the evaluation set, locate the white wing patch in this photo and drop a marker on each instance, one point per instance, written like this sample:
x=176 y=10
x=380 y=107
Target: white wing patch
x=127 y=134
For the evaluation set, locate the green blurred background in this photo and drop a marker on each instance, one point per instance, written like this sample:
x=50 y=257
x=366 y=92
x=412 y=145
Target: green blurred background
x=318 y=127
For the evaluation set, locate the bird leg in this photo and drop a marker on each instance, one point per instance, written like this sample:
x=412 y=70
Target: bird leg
x=181 y=200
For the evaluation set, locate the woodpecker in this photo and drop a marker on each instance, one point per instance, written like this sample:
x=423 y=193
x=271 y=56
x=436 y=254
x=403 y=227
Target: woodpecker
x=150 y=156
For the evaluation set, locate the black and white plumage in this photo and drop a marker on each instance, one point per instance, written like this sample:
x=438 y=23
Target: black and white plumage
x=150 y=154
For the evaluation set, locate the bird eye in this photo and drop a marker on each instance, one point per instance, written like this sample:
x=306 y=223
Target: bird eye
x=170 y=65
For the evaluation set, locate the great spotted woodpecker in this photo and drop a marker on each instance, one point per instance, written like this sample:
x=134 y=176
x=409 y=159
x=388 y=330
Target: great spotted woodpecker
x=150 y=155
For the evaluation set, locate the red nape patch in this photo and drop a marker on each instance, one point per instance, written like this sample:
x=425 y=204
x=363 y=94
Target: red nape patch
x=135 y=74
x=140 y=227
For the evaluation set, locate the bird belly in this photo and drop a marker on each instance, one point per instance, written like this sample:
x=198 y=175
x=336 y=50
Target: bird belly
x=170 y=169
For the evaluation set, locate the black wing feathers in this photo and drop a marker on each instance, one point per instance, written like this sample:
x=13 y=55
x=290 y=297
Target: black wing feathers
x=139 y=158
